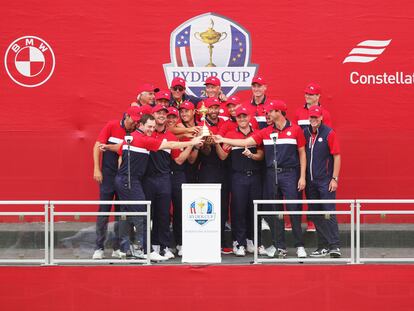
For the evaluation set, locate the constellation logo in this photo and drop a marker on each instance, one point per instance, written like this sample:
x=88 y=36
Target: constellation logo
x=368 y=51
x=29 y=61
x=210 y=45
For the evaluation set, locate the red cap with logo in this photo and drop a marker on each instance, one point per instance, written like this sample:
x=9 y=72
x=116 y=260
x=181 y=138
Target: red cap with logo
x=178 y=81
x=241 y=110
x=163 y=95
x=135 y=113
x=172 y=111
x=275 y=105
x=159 y=107
x=187 y=105
x=315 y=111
x=259 y=80
x=233 y=100
x=213 y=80
x=313 y=88
x=212 y=101
x=146 y=109
x=147 y=87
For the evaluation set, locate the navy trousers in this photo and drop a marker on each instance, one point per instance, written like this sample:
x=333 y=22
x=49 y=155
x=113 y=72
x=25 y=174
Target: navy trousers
x=139 y=222
x=326 y=229
x=177 y=179
x=286 y=189
x=157 y=189
x=246 y=187
x=107 y=193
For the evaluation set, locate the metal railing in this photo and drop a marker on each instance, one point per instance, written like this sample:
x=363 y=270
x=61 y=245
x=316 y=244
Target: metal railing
x=258 y=213
x=355 y=213
x=21 y=214
x=53 y=214
x=360 y=212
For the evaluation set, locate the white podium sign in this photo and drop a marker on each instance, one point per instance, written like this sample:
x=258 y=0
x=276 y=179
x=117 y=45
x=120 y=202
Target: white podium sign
x=201 y=223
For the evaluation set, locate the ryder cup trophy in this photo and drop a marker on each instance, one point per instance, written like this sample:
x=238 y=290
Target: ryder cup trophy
x=205 y=132
x=210 y=37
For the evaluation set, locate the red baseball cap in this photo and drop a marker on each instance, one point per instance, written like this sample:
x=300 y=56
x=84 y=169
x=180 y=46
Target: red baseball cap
x=187 y=105
x=172 y=111
x=315 y=111
x=147 y=87
x=135 y=113
x=213 y=80
x=212 y=101
x=313 y=88
x=178 y=81
x=241 y=110
x=146 y=109
x=275 y=105
x=259 y=80
x=158 y=107
x=233 y=100
x=163 y=95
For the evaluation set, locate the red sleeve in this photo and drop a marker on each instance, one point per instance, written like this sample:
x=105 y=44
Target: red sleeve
x=300 y=137
x=223 y=129
x=105 y=133
x=120 y=148
x=259 y=135
x=175 y=153
x=254 y=123
x=231 y=136
x=151 y=143
x=333 y=143
x=327 y=118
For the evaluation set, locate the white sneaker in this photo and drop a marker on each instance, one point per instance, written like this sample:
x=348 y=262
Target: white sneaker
x=140 y=254
x=235 y=244
x=98 y=254
x=240 y=251
x=301 y=252
x=265 y=225
x=250 y=246
x=122 y=255
x=117 y=254
x=179 y=250
x=262 y=251
x=168 y=254
x=154 y=256
x=270 y=251
x=156 y=248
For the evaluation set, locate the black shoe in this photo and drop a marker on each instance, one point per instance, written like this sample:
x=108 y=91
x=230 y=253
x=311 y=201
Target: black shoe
x=335 y=252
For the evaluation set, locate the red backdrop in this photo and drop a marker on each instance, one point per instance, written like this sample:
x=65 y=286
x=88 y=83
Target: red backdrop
x=104 y=51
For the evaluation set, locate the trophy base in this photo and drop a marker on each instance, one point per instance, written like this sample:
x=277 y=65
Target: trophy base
x=211 y=65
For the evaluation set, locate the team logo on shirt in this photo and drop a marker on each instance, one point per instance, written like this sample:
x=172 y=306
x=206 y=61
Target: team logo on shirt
x=29 y=61
x=289 y=133
x=320 y=139
x=210 y=45
x=202 y=211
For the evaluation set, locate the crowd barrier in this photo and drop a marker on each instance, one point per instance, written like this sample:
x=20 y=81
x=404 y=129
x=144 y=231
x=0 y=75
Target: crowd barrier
x=49 y=211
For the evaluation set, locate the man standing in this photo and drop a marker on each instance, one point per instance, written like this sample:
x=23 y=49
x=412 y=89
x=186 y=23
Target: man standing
x=246 y=182
x=312 y=96
x=146 y=94
x=323 y=166
x=285 y=174
x=256 y=105
x=113 y=133
x=129 y=179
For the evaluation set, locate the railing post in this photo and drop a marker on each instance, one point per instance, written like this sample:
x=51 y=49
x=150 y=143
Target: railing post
x=353 y=232
x=47 y=234
x=52 y=234
x=358 y=232
x=148 y=228
x=255 y=233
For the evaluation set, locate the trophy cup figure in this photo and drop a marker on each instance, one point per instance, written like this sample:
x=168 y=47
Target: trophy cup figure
x=210 y=37
x=205 y=132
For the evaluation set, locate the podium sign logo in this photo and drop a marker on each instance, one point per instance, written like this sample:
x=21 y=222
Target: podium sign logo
x=202 y=211
x=210 y=45
x=29 y=61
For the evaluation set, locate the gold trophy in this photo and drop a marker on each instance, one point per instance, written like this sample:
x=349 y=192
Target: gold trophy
x=210 y=37
x=204 y=130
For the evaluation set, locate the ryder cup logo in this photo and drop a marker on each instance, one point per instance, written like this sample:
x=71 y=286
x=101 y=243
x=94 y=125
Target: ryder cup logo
x=201 y=211
x=29 y=61
x=210 y=45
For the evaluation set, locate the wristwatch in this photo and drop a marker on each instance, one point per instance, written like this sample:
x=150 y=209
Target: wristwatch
x=335 y=178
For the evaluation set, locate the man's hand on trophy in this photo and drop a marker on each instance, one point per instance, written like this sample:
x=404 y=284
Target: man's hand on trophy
x=217 y=139
x=195 y=130
x=197 y=141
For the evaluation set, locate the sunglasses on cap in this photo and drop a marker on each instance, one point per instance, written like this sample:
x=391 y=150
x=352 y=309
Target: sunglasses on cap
x=178 y=88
